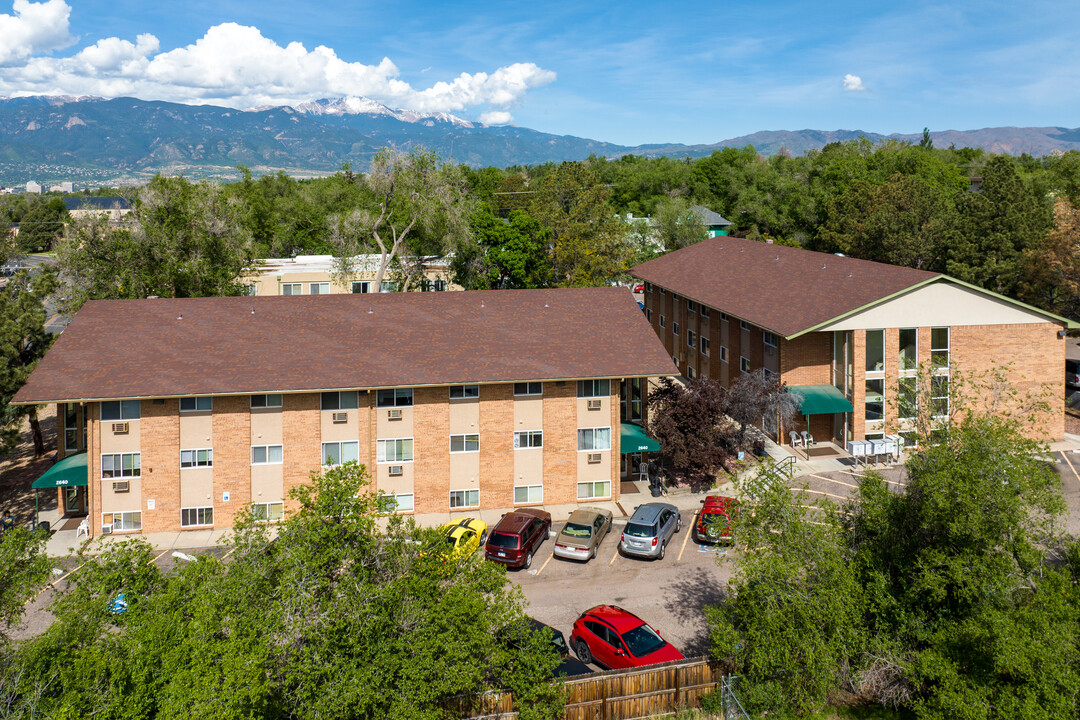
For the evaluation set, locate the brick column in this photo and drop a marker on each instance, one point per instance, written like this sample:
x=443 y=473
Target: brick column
x=497 y=446
x=431 y=450
x=301 y=434
x=159 y=431
x=560 y=443
x=231 y=438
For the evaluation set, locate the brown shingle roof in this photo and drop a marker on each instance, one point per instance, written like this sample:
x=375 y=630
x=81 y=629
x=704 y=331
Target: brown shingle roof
x=783 y=289
x=203 y=346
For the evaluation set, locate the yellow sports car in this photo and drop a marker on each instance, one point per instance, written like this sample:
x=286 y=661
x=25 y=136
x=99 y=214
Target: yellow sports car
x=464 y=536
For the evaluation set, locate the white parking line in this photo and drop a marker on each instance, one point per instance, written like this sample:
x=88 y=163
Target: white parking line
x=822 y=492
x=838 y=482
x=689 y=532
x=1077 y=476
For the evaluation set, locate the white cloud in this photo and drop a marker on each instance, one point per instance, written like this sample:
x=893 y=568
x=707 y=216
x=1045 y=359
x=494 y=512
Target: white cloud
x=232 y=65
x=496 y=117
x=853 y=83
x=34 y=28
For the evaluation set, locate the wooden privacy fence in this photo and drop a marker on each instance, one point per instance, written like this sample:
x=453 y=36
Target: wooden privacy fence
x=622 y=694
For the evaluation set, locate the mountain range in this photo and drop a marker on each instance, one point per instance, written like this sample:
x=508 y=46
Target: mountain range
x=51 y=138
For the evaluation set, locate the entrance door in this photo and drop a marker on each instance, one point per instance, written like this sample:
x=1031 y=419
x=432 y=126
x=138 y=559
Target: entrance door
x=75 y=501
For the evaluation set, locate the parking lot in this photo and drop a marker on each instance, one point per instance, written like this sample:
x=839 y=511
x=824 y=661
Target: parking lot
x=669 y=594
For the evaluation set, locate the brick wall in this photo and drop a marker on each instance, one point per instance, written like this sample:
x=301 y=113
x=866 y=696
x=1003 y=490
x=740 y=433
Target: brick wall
x=497 y=446
x=302 y=446
x=807 y=360
x=231 y=433
x=560 y=443
x=431 y=442
x=160 y=446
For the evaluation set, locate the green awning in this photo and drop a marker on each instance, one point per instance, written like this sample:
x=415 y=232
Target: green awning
x=633 y=439
x=69 y=472
x=820 y=400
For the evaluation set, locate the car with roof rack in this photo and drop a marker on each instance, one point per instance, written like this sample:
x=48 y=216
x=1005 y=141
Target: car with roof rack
x=714 y=521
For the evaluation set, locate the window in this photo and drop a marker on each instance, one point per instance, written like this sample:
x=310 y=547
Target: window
x=197 y=458
x=592 y=439
x=193 y=404
x=704 y=311
x=691 y=338
x=528 y=439
x=339 y=453
x=268 y=512
x=939 y=395
x=593 y=388
x=121 y=522
x=769 y=338
x=121 y=465
x=266 y=454
x=648 y=314
x=71 y=427
x=630 y=397
x=458 y=392
x=592 y=490
x=723 y=353
x=875 y=351
x=674 y=297
x=907 y=398
x=675 y=360
x=361 y=286
x=394 y=397
x=909 y=349
x=648 y=287
x=675 y=328
x=266 y=401
x=744 y=325
x=394 y=450
x=690 y=305
x=464 y=443
x=292 y=288
x=319 y=288
x=723 y=316
x=464 y=498
x=875 y=399
x=662 y=321
x=404 y=502
x=529 y=388
x=191 y=517
x=939 y=347
x=704 y=346
x=341 y=400
x=389 y=286
x=663 y=291
x=528 y=494
x=249 y=290
x=120 y=410
x=439 y=285
x=689 y=372
x=744 y=364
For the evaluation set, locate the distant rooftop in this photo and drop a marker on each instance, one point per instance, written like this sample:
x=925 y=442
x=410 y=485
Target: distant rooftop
x=324 y=263
x=709 y=217
x=96 y=203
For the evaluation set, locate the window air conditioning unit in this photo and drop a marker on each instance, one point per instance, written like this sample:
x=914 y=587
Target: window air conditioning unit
x=121 y=486
x=340 y=417
x=396 y=471
x=106 y=529
x=593 y=457
x=120 y=428
x=393 y=414
x=593 y=404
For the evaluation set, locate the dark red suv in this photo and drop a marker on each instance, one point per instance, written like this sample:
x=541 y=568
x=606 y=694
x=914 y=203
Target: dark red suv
x=615 y=638
x=714 y=522
x=514 y=540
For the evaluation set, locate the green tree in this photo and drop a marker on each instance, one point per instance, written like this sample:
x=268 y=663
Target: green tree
x=1052 y=267
x=333 y=617
x=185 y=240
x=589 y=244
x=677 y=225
x=419 y=208
x=511 y=253
x=41 y=225
x=23 y=342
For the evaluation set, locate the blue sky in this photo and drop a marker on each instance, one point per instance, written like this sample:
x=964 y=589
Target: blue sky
x=626 y=72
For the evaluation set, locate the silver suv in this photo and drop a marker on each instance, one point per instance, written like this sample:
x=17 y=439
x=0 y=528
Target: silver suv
x=649 y=530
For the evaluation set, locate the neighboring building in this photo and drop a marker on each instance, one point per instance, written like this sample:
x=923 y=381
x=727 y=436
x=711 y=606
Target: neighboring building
x=847 y=330
x=66 y=186
x=33 y=187
x=190 y=410
x=314 y=275
x=113 y=208
x=714 y=222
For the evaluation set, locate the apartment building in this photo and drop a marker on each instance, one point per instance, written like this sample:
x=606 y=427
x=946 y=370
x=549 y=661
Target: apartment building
x=186 y=411
x=315 y=275
x=850 y=334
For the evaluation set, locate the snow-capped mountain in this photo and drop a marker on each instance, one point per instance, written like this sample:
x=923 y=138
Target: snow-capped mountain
x=358 y=105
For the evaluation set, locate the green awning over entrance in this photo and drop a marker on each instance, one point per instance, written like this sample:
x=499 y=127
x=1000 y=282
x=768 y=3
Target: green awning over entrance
x=633 y=439
x=821 y=400
x=69 y=472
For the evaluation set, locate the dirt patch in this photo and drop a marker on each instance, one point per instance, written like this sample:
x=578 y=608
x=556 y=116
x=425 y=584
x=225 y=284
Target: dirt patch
x=1072 y=424
x=19 y=469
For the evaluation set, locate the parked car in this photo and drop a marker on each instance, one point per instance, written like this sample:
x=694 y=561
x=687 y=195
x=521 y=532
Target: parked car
x=650 y=529
x=1072 y=373
x=714 y=521
x=463 y=537
x=514 y=540
x=639 y=288
x=615 y=638
x=582 y=533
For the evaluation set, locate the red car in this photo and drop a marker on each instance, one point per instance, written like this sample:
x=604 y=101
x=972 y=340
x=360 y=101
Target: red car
x=615 y=638
x=639 y=288
x=514 y=540
x=714 y=521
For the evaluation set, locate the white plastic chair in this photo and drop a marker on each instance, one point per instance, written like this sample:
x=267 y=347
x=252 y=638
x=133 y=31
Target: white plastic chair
x=807 y=439
x=84 y=528
x=795 y=439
